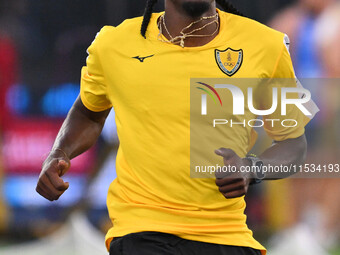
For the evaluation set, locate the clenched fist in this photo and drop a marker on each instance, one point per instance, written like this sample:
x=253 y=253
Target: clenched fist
x=233 y=185
x=50 y=184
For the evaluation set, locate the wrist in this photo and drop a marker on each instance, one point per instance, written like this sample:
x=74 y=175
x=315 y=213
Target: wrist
x=59 y=153
x=246 y=162
x=248 y=174
x=256 y=172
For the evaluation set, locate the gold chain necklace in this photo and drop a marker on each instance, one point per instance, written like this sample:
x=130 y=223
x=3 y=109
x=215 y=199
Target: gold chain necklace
x=183 y=35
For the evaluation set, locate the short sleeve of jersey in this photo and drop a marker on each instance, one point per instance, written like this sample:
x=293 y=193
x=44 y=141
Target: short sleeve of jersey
x=93 y=86
x=292 y=125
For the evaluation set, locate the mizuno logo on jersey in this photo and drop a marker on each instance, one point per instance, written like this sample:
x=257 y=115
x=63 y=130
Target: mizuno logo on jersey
x=141 y=59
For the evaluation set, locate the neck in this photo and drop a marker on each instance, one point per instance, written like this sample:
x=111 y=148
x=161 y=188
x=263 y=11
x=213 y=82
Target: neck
x=176 y=19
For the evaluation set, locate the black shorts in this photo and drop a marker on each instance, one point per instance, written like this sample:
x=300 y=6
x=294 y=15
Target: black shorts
x=156 y=243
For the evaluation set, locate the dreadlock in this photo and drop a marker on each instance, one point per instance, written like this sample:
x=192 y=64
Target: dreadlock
x=147 y=15
x=225 y=5
x=229 y=7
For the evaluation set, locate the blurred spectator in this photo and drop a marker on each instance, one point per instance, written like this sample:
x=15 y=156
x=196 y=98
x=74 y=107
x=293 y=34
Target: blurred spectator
x=298 y=22
x=314 y=205
x=328 y=32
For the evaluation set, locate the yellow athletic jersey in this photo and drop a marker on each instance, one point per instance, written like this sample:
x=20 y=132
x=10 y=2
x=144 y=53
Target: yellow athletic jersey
x=147 y=82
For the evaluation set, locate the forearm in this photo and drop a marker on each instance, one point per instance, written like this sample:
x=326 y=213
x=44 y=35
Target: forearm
x=78 y=133
x=286 y=153
x=80 y=130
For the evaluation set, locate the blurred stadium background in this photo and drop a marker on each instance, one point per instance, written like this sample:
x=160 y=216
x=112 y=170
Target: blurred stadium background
x=42 y=49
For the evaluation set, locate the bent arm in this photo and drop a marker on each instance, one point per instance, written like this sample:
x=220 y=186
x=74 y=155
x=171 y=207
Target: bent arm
x=289 y=152
x=80 y=129
x=286 y=153
x=78 y=133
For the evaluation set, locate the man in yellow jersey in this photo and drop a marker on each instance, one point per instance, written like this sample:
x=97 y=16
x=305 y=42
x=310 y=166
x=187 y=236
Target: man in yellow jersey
x=142 y=68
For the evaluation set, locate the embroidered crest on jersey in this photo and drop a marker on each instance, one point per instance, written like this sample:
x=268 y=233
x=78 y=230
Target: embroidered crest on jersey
x=229 y=60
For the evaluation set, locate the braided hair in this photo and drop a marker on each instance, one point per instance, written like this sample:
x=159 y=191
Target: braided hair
x=229 y=7
x=147 y=15
x=225 y=4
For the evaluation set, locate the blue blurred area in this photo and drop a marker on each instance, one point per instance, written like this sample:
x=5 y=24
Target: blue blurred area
x=307 y=62
x=18 y=192
x=18 y=99
x=58 y=100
